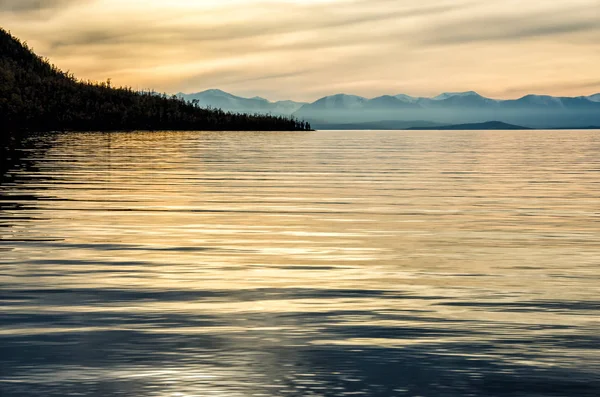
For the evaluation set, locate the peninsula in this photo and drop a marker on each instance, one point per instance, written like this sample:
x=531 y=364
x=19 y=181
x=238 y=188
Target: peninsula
x=35 y=95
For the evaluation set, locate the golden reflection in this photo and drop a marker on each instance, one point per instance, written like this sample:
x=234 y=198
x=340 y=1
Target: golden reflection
x=237 y=264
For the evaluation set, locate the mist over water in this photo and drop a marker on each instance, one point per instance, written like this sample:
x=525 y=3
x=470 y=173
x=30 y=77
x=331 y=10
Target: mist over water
x=386 y=263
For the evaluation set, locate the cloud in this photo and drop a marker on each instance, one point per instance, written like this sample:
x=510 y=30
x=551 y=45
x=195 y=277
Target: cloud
x=18 y=6
x=511 y=28
x=585 y=87
x=316 y=19
x=304 y=49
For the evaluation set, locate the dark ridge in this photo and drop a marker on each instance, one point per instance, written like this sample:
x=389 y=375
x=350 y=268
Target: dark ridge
x=588 y=127
x=37 y=96
x=489 y=125
x=377 y=125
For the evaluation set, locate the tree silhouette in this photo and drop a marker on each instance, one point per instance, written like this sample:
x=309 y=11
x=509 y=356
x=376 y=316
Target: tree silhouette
x=37 y=96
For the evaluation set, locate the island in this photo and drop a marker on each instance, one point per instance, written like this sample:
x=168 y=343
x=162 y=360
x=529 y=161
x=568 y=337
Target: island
x=488 y=125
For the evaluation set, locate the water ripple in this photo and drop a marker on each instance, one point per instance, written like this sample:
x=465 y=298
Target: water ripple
x=388 y=263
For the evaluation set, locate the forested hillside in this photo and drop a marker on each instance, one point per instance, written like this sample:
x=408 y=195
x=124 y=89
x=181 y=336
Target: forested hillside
x=37 y=96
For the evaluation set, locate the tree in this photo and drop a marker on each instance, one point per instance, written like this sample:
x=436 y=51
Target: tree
x=37 y=96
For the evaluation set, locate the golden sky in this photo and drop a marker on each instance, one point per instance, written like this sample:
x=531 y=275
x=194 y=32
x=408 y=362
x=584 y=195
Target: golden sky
x=305 y=49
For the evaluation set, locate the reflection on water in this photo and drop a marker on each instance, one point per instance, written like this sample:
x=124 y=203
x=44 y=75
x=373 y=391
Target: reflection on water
x=301 y=264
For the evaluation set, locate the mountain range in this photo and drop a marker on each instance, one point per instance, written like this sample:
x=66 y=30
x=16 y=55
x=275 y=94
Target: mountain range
x=404 y=111
x=220 y=99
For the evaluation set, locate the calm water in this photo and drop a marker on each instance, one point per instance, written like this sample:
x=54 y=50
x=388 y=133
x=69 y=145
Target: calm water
x=301 y=264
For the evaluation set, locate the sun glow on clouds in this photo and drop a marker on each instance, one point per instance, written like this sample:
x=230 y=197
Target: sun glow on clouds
x=306 y=49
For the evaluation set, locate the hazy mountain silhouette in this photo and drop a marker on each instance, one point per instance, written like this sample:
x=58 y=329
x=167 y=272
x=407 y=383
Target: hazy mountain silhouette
x=390 y=102
x=535 y=111
x=352 y=109
x=343 y=111
x=490 y=125
x=339 y=101
x=222 y=100
x=447 y=95
x=594 y=98
x=37 y=96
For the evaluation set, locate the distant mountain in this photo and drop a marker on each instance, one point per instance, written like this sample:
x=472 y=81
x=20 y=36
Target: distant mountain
x=407 y=98
x=451 y=100
x=339 y=101
x=535 y=101
x=344 y=111
x=489 y=125
x=448 y=95
x=390 y=102
x=232 y=103
x=594 y=98
x=451 y=108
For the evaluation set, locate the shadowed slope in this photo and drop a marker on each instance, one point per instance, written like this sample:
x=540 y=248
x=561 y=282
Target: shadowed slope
x=37 y=96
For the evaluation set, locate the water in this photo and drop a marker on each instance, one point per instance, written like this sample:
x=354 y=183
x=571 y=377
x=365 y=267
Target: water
x=301 y=264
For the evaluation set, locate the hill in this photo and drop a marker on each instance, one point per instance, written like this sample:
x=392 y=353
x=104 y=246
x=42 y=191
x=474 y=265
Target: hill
x=489 y=125
x=378 y=125
x=37 y=96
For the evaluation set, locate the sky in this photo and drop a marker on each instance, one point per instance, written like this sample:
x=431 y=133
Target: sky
x=306 y=49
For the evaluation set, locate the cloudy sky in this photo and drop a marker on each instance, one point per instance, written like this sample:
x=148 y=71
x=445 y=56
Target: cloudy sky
x=305 y=49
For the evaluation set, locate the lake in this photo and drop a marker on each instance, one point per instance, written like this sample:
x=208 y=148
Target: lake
x=338 y=263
